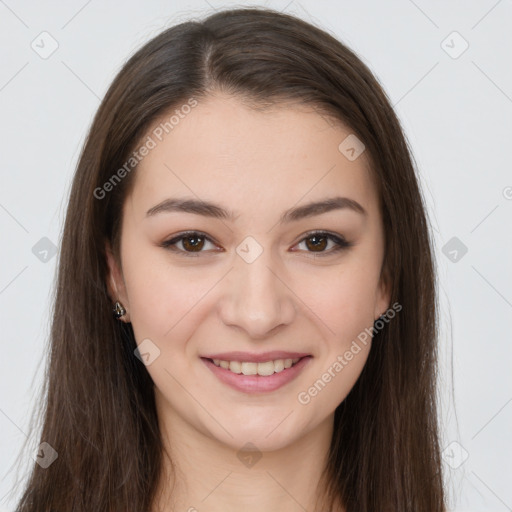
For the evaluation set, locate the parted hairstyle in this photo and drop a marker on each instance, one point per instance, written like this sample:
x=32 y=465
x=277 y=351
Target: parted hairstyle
x=98 y=409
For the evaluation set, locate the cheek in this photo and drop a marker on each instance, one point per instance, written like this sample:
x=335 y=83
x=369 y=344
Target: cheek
x=163 y=297
x=153 y=291
x=342 y=300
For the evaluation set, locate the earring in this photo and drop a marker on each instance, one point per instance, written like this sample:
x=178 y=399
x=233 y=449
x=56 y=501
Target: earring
x=119 y=310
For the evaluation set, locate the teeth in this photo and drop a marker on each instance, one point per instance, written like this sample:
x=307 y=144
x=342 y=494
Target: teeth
x=264 y=369
x=235 y=366
x=250 y=368
x=278 y=365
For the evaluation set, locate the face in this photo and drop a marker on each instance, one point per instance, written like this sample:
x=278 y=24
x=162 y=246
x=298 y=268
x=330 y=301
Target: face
x=255 y=277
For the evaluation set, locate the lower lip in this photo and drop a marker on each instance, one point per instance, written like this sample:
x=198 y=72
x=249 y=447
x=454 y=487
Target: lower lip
x=257 y=383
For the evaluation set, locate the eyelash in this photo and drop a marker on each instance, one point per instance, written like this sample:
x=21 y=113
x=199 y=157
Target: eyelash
x=341 y=244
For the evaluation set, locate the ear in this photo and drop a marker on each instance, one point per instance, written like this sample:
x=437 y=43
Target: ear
x=383 y=298
x=115 y=283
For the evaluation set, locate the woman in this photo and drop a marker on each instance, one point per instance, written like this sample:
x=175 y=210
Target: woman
x=247 y=204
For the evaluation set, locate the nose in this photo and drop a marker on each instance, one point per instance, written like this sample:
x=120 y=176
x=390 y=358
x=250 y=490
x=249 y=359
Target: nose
x=256 y=297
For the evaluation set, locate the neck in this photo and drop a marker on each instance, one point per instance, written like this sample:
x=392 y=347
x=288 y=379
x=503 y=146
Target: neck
x=206 y=474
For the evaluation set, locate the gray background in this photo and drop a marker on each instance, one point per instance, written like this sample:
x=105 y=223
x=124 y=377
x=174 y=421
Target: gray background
x=456 y=110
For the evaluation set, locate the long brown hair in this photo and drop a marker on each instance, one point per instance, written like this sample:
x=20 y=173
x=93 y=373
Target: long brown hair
x=98 y=410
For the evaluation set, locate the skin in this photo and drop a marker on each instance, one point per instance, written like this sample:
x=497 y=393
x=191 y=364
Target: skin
x=289 y=298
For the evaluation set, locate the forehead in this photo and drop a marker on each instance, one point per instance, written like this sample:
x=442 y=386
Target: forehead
x=224 y=151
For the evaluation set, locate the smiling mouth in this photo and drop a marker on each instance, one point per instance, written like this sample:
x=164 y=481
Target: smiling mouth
x=264 y=369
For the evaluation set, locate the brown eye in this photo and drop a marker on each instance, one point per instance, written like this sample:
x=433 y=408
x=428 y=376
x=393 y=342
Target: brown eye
x=318 y=242
x=192 y=243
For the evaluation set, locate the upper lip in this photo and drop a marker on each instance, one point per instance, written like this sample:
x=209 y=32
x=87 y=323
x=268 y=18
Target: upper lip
x=256 y=358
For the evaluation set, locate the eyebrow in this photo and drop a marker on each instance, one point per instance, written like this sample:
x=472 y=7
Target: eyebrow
x=209 y=209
